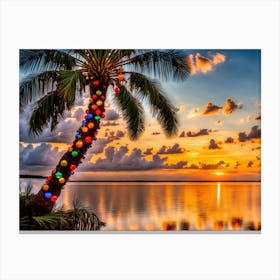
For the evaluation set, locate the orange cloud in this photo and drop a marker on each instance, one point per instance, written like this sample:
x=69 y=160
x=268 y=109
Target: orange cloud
x=199 y=63
x=231 y=106
x=211 y=109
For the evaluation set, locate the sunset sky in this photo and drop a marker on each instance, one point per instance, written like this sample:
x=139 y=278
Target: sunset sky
x=219 y=111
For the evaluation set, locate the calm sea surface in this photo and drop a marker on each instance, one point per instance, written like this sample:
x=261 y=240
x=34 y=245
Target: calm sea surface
x=167 y=206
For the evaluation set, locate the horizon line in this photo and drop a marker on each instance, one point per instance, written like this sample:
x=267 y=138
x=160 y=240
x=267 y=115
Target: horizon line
x=153 y=181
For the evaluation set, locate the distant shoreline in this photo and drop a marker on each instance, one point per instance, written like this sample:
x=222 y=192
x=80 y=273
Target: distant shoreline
x=132 y=181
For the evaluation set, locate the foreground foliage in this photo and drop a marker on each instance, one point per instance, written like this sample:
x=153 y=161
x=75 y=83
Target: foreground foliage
x=78 y=218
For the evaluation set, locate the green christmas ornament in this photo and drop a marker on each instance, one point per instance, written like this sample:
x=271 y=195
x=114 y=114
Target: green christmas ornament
x=74 y=153
x=58 y=175
x=97 y=118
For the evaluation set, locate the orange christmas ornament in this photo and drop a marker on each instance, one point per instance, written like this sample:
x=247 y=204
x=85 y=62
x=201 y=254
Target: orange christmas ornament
x=45 y=187
x=120 y=77
x=79 y=144
x=90 y=125
x=84 y=129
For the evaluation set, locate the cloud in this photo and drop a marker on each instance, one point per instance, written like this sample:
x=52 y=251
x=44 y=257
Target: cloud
x=250 y=163
x=182 y=134
x=99 y=145
x=43 y=155
x=203 y=131
x=201 y=64
x=229 y=140
x=219 y=165
x=237 y=164
x=176 y=149
x=202 y=165
x=79 y=114
x=108 y=123
x=213 y=145
x=111 y=115
x=64 y=132
x=148 y=151
x=120 y=159
x=155 y=133
x=211 y=109
x=219 y=122
x=253 y=134
x=231 y=106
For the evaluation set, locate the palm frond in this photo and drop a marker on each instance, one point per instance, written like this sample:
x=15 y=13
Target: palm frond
x=47 y=110
x=52 y=221
x=33 y=61
x=162 y=64
x=68 y=82
x=35 y=85
x=132 y=112
x=162 y=109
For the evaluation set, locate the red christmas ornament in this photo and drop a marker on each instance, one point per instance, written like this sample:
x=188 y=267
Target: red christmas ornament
x=72 y=167
x=102 y=97
x=49 y=178
x=116 y=90
x=98 y=112
x=119 y=71
x=96 y=83
x=88 y=139
x=94 y=107
x=103 y=116
x=53 y=198
x=104 y=110
x=86 y=111
x=94 y=97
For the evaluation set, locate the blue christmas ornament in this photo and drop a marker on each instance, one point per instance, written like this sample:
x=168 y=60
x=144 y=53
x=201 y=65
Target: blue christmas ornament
x=89 y=116
x=77 y=136
x=47 y=195
x=84 y=122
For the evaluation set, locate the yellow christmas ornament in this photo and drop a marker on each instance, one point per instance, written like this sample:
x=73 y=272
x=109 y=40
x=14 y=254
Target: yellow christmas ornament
x=99 y=103
x=99 y=92
x=63 y=163
x=61 y=180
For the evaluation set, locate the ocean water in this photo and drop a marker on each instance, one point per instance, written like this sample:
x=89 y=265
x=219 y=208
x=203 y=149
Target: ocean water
x=150 y=206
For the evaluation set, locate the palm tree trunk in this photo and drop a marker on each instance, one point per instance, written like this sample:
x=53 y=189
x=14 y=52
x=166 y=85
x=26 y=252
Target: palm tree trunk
x=42 y=203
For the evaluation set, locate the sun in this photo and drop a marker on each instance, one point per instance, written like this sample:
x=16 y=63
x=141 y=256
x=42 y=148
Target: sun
x=219 y=173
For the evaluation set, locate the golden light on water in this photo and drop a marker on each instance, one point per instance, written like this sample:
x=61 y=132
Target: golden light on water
x=218 y=193
x=172 y=206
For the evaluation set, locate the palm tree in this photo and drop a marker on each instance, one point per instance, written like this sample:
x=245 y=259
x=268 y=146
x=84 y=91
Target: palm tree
x=52 y=79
